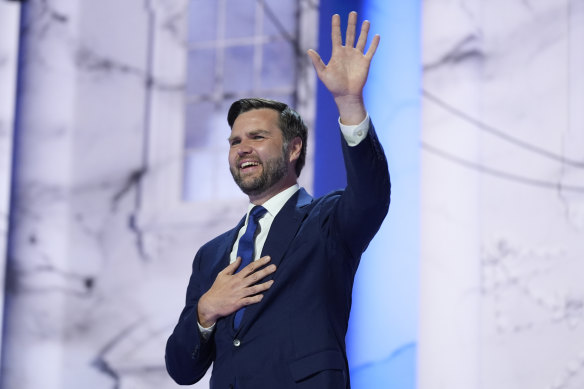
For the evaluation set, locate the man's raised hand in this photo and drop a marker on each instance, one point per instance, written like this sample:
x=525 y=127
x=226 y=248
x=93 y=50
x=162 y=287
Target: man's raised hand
x=346 y=73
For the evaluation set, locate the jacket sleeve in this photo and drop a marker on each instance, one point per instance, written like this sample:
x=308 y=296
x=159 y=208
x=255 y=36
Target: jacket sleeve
x=365 y=201
x=188 y=355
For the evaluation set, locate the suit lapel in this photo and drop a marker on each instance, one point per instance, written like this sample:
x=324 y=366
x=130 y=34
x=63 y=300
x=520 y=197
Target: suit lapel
x=225 y=250
x=282 y=232
x=285 y=226
x=223 y=257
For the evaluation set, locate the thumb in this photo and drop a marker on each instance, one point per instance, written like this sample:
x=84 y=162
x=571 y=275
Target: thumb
x=319 y=66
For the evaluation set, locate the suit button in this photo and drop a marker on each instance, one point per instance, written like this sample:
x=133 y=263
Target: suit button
x=236 y=342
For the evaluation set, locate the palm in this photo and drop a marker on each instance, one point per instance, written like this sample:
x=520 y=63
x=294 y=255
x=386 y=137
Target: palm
x=346 y=72
x=348 y=67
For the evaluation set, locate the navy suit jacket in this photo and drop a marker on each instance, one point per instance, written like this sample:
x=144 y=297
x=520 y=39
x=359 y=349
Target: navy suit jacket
x=295 y=337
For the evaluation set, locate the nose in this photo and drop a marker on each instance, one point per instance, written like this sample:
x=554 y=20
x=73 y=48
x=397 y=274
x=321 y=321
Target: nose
x=243 y=148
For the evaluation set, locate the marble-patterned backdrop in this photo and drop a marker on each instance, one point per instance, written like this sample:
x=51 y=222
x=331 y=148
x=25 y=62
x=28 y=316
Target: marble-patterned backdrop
x=101 y=246
x=502 y=299
x=73 y=300
x=101 y=243
x=9 y=22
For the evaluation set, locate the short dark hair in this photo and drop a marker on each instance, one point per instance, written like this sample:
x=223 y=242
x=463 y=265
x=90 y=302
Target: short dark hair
x=290 y=123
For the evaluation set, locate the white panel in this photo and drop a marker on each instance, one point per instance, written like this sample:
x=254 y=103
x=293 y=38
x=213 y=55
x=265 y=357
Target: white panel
x=450 y=195
x=502 y=295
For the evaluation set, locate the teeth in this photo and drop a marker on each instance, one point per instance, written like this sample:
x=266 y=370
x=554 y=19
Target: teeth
x=246 y=164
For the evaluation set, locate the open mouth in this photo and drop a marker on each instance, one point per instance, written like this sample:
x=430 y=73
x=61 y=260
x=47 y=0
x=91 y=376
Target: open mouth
x=248 y=165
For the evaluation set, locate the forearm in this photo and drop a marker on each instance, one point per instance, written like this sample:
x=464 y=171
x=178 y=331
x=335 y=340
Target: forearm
x=367 y=172
x=188 y=355
x=366 y=198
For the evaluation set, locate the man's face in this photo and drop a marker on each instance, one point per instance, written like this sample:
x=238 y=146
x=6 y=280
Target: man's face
x=257 y=160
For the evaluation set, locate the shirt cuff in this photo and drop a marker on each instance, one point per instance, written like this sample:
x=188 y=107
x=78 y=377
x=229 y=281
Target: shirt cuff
x=206 y=331
x=355 y=134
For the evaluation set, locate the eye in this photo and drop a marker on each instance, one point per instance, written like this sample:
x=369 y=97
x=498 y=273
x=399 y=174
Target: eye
x=258 y=137
x=234 y=142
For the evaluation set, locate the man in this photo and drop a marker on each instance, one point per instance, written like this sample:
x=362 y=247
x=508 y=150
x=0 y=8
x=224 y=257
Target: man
x=280 y=321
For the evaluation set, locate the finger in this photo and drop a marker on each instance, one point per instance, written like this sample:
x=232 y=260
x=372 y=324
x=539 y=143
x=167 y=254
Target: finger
x=260 y=287
x=265 y=258
x=251 y=300
x=373 y=47
x=266 y=271
x=336 y=31
x=351 y=26
x=255 y=277
x=259 y=275
x=232 y=267
x=317 y=62
x=255 y=265
x=363 y=36
x=256 y=289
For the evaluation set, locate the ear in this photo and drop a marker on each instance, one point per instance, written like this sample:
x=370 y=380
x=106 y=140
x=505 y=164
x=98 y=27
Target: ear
x=294 y=149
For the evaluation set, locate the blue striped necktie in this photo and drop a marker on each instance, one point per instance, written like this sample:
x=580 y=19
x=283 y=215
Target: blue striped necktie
x=245 y=249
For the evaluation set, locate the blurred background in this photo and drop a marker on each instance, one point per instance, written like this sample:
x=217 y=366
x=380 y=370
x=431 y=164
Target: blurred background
x=113 y=172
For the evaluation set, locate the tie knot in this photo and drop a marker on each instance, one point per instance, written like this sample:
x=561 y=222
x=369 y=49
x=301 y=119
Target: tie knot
x=257 y=212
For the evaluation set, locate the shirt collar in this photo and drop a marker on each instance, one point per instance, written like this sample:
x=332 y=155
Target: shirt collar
x=275 y=204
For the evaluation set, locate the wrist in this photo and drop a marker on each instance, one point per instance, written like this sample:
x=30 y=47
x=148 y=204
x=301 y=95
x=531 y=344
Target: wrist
x=205 y=318
x=351 y=109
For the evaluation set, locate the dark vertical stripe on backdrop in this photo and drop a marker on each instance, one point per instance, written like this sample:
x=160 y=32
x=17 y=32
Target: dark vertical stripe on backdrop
x=329 y=171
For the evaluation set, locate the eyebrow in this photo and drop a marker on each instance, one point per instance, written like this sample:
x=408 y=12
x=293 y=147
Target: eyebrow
x=258 y=132
x=250 y=133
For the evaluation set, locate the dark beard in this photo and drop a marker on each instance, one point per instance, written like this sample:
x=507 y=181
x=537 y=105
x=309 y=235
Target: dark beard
x=273 y=171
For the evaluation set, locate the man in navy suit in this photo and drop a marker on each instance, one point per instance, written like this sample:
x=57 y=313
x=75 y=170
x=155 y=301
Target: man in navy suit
x=280 y=321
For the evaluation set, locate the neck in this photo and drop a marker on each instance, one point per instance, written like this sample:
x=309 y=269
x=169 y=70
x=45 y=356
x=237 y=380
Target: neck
x=261 y=198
